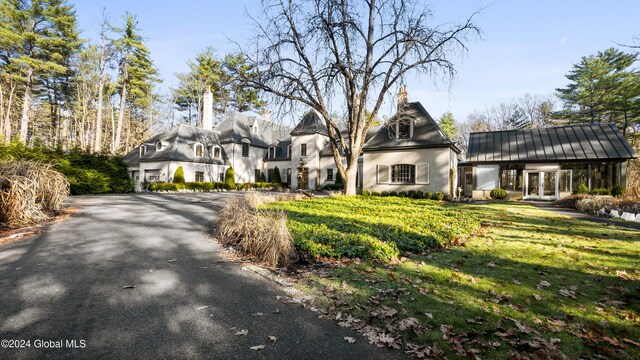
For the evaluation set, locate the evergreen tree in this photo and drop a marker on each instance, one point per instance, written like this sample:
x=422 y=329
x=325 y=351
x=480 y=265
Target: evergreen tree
x=136 y=73
x=39 y=38
x=237 y=73
x=230 y=178
x=276 y=176
x=448 y=125
x=178 y=176
x=602 y=88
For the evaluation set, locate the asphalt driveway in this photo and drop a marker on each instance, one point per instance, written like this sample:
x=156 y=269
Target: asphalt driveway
x=135 y=276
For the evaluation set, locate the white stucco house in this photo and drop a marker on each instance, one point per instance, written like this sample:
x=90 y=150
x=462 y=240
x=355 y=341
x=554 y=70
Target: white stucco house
x=408 y=152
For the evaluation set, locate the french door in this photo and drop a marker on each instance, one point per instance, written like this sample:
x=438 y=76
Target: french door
x=541 y=185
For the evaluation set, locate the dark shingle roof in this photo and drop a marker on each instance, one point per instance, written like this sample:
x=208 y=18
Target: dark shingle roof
x=177 y=145
x=577 y=142
x=426 y=133
x=311 y=123
x=238 y=126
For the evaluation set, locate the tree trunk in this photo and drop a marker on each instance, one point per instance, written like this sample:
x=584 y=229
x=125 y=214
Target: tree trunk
x=350 y=177
x=123 y=96
x=26 y=104
x=97 y=146
x=7 y=115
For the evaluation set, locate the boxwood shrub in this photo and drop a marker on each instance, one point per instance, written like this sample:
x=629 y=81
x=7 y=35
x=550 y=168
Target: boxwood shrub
x=498 y=194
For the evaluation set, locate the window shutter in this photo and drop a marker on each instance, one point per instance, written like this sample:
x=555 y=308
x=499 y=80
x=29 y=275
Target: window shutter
x=422 y=174
x=383 y=174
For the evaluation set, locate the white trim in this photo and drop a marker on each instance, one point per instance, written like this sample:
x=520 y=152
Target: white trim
x=158 y=148
x=213 y=152
x=142 y=150
x=269 y=152
x=195 y=152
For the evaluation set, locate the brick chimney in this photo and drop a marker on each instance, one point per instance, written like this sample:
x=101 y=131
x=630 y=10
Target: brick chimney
x=207 y=109
x=403 y=97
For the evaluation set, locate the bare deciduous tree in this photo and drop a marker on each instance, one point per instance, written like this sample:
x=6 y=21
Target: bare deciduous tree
x=352 y=53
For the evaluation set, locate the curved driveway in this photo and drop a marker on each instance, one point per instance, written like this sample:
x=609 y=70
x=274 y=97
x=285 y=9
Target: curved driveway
x=185 y=299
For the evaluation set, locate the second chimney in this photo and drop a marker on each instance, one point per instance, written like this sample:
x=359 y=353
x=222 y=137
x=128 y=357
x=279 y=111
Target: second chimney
x=403 y=96
x=207 y=109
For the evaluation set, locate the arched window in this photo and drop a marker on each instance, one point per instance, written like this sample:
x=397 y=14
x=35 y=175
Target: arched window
x=158 y=145
x=403 y=174
x=404 y=128
x=272 y=152
x=198 y=149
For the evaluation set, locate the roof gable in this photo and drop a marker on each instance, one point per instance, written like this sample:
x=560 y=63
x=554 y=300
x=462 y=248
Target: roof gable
x=311 y=123
x=426 y=132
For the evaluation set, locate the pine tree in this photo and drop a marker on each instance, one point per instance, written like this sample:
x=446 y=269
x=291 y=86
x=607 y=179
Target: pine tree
x=602 y=88
x=39 y=37
x=136 y=75
x=448 y=126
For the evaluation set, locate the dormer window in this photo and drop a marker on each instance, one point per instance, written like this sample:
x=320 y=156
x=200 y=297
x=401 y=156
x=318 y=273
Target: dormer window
x=404 y=129
x=289 y=151
x=143 y=150
x=158 y=145
x=272 y=152
x=217 y=153
x=198 y=149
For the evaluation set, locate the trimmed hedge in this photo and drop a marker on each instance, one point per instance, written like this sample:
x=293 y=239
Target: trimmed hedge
x=87 y=173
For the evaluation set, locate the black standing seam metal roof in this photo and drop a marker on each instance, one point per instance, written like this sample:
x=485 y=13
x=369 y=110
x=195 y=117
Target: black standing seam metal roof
x=577 y=142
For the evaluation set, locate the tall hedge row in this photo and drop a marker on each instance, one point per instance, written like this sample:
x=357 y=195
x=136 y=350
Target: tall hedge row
x=87 y=173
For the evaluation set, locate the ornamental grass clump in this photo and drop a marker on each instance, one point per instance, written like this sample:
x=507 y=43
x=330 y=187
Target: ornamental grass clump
x=28 y=190
x=261 y=233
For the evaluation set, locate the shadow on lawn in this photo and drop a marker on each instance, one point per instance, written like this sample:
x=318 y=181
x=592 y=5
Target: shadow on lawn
x=467 y=288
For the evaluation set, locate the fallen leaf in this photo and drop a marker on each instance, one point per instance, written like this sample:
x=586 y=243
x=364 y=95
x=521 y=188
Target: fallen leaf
x=203 y=307
x=276 y=311
x=258 y=314
x=172 y=260
x=537 y=297
x=129 y=287
x=543 y=284
x=516 y=282
x=350 y=339
x=257 y=347
x=273 y=339
x=491 y=264
x=242 y=332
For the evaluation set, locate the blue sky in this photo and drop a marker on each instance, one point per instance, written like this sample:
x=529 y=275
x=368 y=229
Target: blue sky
x=526 y=46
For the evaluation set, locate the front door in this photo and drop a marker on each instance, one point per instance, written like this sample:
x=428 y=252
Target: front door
x=303 y=178
x=541 y=185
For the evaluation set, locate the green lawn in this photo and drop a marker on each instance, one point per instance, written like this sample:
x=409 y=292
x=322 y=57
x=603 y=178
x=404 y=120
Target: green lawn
x=529 y=283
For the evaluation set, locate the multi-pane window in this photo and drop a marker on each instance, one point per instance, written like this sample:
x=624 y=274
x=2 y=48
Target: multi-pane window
x=245 y=150
x=221 y=176
x=256 y=174
x=272 y=152
x=404 y=128
x=564 y=183
x=198 y=150
x=303 y=150
x=330 y=174
x=199 y=176
x=152 y=175
x=217 y=153
x=403 y=173
x=269 y=175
